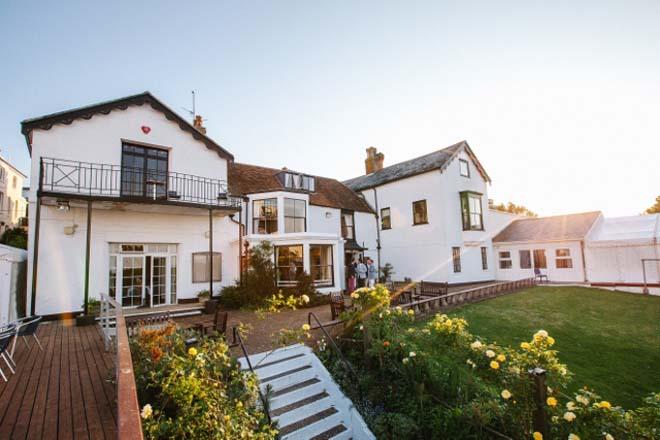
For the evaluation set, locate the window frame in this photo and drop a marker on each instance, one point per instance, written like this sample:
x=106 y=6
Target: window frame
x=331 y=265
x=466 y=210
x=528 y=259
x=456 y=258
x=502 y=259
x=206 y=271
x=484 y=258
x=298 y=181
x=268 y=220
x=299 y=269
x=140 y=175
x=565 y=259
x=295 y=217
x=462 y=161
x=383 y=217
x=426 y=213
x=344 y=226
x=545 y=259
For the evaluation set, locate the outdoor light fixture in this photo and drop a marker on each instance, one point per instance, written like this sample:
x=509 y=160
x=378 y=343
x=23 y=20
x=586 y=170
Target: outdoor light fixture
x=63 y=205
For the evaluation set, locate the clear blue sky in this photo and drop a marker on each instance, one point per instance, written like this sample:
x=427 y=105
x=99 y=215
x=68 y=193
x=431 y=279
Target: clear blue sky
x=561 y=102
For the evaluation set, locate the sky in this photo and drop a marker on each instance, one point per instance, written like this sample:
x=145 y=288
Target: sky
x=559 y=100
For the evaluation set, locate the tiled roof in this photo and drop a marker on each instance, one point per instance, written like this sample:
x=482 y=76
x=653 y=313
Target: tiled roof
x=250 y=179
x=423 y=164
x=558 y=227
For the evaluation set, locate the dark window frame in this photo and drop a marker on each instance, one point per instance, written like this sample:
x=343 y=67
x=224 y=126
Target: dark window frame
x=140 y=175
x=426 y=213
x=206 y=272
x=484 y=258
x=268 y=220
x=331 y=265
x=460 y=169
x=456 y=258
x=383 y=217
x=344 y=227
x=466 y=213
x=295 y=217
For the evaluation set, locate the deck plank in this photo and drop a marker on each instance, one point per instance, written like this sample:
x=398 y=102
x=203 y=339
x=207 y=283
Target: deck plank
x=49 y=424
x=65 y=411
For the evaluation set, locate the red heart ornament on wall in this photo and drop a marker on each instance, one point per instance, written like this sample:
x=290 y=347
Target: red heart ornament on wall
x=146 y=129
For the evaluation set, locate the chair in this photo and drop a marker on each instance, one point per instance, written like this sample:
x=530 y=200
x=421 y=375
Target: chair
x=539 y=275
x=27 y=327
x=5 y=340
x=219 y=324
x=337 y=307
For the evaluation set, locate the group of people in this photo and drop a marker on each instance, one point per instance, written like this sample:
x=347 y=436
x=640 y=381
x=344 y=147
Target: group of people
x=361 y=274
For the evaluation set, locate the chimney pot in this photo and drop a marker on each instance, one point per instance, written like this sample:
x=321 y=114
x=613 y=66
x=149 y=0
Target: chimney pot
x=374 y=160
x=197 y=123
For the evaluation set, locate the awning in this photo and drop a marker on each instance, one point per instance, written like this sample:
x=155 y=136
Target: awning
x=351 y=245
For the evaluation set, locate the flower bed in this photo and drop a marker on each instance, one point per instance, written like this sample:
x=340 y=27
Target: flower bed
x=439 y=381
x=194 y=392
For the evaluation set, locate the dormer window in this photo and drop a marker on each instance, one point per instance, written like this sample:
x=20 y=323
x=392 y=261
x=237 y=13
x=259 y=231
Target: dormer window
x=298 y=181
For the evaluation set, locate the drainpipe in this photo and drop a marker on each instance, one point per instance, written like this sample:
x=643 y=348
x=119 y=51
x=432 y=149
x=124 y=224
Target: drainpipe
x=35 y=250
x=87 y=253
x=377 y=217
x=210 y=260
x=584 y=262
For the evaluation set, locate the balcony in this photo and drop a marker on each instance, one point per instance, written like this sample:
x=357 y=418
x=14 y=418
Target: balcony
x=61 y=178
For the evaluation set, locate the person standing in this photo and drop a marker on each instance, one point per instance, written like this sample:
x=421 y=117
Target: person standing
x=372 y=272
x=361 y=274
x=351 y=276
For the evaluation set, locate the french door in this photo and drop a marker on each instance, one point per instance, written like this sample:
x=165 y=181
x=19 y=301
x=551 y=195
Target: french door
x=143 y=172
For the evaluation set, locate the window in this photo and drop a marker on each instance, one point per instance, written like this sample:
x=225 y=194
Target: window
x=484 y=258
x=3 y=174
x=320 y=264
x=471 y=211
x=464 y=167
x=456 y=258
x=420 y=216
x=200 y=263
x=264 y=215
x=539 y=259
x=294 y=215
x=385 y=219
x=298 y=181
x=2 y=196
x=112 y=287
x=525 y=259
x=563 y=259
x=143 y=171
x=173 y=279
x=348 y=225
x=505 y=260
x=289 y=261
x=14 y=182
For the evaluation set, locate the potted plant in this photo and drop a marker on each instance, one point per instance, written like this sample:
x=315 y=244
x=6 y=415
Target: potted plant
x=93 y=309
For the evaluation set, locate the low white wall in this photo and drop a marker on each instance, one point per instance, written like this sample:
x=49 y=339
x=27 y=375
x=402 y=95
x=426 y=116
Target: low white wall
x=575 y=274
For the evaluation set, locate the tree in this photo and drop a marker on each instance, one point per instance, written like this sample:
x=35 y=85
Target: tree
x=655 y=209
x=514 y=209
x=16 y=237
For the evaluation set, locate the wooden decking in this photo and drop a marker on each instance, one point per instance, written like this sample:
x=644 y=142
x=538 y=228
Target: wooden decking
x=63 y=392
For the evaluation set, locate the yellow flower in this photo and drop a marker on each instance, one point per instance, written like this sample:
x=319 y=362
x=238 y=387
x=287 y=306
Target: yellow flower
x=192 y=351
x=569 y=416
x=551 y=340
x=506 y=394
x=411 y=312
x=239 y=404
x=604 y=404
x=551 y=401
x=537 y=436
x=306 y=327
x=570 y=406
x=494 y=365
x=525 y=345
x=146 y=412
x=227 y=418
x=573 y=437
x=500 y=358
x=476 y=345
x=541 y=334
x=490 y=353
x=583 y=400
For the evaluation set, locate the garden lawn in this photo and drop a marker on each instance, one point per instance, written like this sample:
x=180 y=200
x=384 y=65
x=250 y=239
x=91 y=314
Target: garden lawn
x=609 y=340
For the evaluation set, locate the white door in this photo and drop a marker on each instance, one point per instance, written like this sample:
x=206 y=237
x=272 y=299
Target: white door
x=132 y=280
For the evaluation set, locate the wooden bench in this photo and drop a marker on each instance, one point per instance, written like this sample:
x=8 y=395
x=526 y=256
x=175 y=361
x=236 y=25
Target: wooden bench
x=429 y=288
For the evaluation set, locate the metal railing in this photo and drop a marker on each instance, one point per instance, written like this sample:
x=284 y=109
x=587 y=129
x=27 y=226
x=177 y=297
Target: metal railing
x=319 y=325
x=63 y=176
x=129 y=425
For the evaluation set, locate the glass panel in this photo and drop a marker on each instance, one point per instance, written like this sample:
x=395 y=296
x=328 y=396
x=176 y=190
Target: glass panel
x=564 y=263
x=264 y=214
x=419 y=212
x=563 y=252
x=200 y=271
x=320 y=262
x=294 y=215
x=456 y=257
x=173 y=279
x=525 y=259
x=159 y=281
x=289 y=261
x=484 y=258
x=539 y=259
x=132 y=281
x=465 y=167
x=112 y=287
x=217 y=266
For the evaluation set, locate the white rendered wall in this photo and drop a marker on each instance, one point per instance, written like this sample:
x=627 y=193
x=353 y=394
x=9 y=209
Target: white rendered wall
x=622 y=264
x=575 y=274
x=10 y=211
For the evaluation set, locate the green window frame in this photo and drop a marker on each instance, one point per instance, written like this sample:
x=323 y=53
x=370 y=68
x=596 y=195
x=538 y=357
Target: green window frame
x=471 y=211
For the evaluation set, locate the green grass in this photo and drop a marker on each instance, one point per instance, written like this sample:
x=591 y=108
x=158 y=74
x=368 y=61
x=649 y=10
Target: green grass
x=609 y=340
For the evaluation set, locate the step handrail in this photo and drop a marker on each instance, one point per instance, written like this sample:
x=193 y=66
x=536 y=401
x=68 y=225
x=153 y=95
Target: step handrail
x=332 y=341
x=238 y=341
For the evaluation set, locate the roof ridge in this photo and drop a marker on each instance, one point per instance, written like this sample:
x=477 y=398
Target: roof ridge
x=558 y=215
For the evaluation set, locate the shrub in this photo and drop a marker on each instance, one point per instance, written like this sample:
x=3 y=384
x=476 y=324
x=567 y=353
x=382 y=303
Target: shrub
x=15 y=237
x=197 y=392
x=386 y=272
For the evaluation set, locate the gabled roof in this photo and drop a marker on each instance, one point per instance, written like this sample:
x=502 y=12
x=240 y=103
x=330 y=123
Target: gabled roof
x=3 y=160
x=247 y=179
x=631 y=230
x=438 y=160
x=68 y=116
x=558 y=227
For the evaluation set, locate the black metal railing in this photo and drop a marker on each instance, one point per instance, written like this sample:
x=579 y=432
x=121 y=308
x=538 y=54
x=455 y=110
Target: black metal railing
x=334 y=345
x=63 y=176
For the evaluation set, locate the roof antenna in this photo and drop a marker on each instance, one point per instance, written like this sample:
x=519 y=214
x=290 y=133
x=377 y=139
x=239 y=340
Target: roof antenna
x=192 y=112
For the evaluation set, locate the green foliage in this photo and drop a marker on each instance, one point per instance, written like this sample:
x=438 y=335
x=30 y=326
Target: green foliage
x=514 y=209
x=203 y=294
x=15 y=237
x=197 y=392
x=655 y=209
x=386 y=272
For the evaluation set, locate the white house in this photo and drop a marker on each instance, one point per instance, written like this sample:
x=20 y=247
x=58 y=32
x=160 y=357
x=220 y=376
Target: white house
x=434 y=221
x=12 y=202
x=126 y=197
x=316 y=224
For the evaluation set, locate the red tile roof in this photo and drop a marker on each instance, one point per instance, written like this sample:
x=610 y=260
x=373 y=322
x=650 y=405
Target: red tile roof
x=251 y=179
x=558 y=227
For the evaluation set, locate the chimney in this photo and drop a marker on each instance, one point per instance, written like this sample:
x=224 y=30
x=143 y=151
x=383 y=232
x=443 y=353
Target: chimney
x=197 y=123
x=374 y=160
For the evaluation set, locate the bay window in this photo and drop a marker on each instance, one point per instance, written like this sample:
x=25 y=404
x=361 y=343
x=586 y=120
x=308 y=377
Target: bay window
x=264 y=215
x=289 y=262
x=471 y=212
x=294 y=215
x=321 y=265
